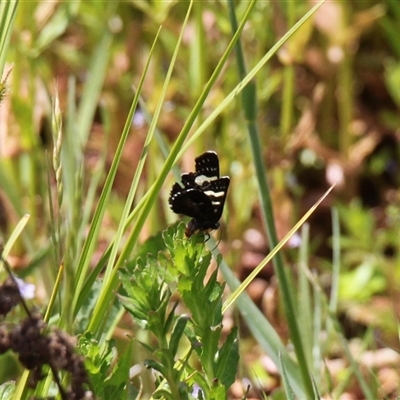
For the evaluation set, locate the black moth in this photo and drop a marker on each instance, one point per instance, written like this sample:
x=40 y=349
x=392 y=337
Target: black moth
x=202 y=196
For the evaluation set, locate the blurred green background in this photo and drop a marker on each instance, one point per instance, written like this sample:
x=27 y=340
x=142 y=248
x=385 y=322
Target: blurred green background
x=327 y=111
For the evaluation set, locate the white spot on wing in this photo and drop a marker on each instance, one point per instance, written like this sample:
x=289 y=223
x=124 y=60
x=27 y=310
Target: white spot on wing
x=215 y=194
x=199 y=180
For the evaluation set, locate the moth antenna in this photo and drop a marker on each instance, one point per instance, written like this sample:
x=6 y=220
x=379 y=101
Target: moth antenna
x=219 y=240
x=207 y=236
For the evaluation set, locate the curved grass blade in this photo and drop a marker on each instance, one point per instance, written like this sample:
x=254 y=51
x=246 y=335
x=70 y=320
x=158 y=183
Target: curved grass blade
x=232 y=298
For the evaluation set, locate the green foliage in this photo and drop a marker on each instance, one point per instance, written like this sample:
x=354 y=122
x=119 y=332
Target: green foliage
x=151 y=284
x=7 y=390
x=361 y=283
x=108 y=377
x=364 y=247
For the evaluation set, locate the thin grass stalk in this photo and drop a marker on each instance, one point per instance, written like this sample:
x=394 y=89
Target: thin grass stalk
x=54 y=223
x=8 y=10
x=71 y=159
x=336 y=254
x=18 y=230
x=44 y=385
x=71 y=152
x=3 y=84
x=250 y=109
x=56 y=125
x=305 y=310
x=317 y=343
x=30 y=163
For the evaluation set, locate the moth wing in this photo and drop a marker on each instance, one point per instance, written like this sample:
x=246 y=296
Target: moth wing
x=216 y=191
x=191 y=202
x=207 y=164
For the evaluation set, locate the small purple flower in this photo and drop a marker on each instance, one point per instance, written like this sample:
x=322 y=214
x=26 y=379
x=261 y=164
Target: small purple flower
x=294 y=241
x=138 y=119
x=27 y=290
x=196 y=391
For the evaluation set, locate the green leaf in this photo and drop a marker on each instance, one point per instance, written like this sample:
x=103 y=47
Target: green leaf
x=362 y=282
x=288 y=389
x=226 y=362
x=217 y=392
x=177 y=333
x=101 y=366
x=7 y=390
